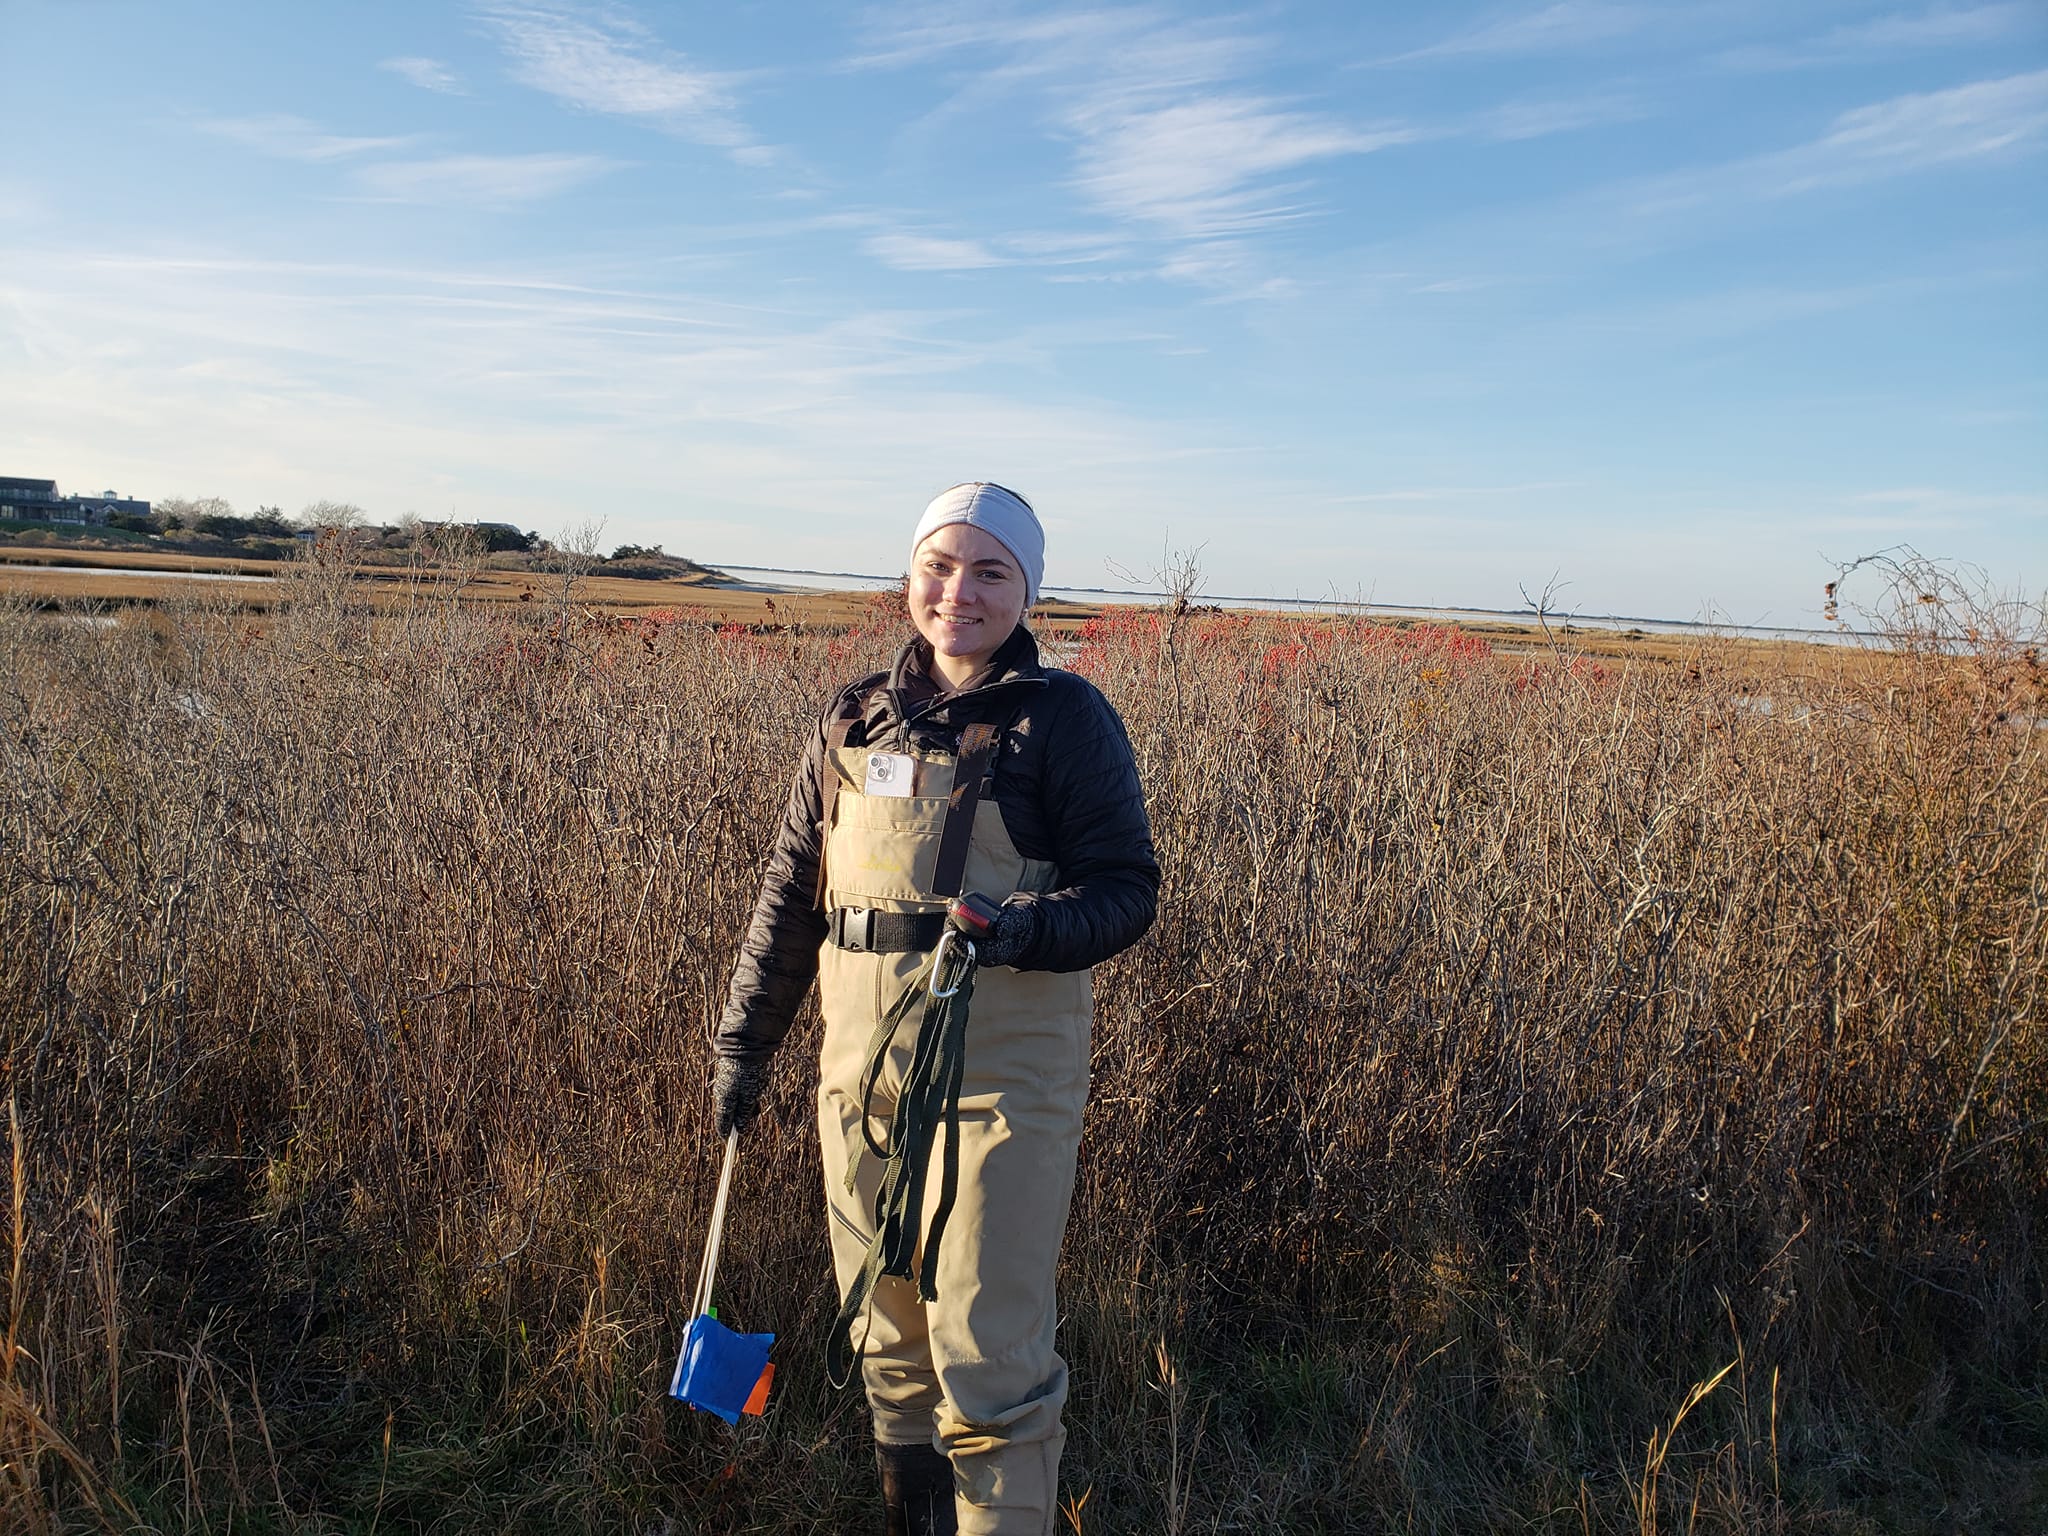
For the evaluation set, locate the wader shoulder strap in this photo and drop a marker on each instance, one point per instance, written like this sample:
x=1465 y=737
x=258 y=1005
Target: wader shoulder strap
x=970 y=768
x=836 y=736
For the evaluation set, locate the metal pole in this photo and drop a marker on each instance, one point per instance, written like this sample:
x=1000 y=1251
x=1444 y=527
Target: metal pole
x=717 y=1234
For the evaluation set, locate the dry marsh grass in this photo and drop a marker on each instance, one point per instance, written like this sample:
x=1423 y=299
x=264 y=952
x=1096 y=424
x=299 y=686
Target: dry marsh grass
x=1559 y=1093
x=151 y=577
x=163 y=577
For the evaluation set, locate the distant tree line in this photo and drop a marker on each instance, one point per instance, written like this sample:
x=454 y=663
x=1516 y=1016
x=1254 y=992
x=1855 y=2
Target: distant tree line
x=266 y=534
x=183 y=518
x=212 y=525
x=213 y=516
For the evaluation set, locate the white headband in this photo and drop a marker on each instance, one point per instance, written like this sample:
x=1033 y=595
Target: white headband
x=1002 y=514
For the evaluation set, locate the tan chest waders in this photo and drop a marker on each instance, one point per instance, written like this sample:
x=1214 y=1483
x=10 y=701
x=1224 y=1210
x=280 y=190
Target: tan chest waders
x=971 y=1370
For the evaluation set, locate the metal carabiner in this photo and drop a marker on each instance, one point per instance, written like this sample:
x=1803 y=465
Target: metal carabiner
x=939 y=963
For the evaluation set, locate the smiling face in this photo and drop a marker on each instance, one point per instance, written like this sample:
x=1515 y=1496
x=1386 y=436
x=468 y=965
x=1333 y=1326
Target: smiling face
x=966 y=595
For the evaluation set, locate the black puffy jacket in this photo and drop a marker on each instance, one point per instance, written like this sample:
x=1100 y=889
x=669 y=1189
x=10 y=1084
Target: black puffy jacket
x=1068 y=790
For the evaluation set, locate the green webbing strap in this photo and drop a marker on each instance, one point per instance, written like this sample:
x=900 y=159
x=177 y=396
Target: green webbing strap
x=930 y=1098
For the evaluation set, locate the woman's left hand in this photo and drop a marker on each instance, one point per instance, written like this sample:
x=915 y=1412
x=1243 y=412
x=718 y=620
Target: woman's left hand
x=1008 y=937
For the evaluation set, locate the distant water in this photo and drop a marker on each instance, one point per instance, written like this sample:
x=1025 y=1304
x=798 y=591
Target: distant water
x=126 y=570
x=766 y=577
x=847 y=581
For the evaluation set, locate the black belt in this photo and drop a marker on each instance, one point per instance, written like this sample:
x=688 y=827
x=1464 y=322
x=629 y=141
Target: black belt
x=886 y=933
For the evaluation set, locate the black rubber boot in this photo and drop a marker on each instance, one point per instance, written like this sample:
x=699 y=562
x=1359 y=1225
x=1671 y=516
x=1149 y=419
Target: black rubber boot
x=917 y=1490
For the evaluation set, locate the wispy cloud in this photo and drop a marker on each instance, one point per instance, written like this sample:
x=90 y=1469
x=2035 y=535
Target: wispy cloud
x=1203 y=167
x=1933 y=127
x=1563 y=27
x=1887 y=138
x=607 y=62
x=926 y=253
x=1165 y=140
x=1055 y=252
x=1942 y=27
x=1132 y=41
x=1228 y=267
x=294 y=138
x=1518 y=120
x=1062 y=248
x=486 y=181
x=427 y=74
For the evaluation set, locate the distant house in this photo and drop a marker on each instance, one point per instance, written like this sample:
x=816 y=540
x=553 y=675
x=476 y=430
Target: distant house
x=101 y=508
x=37 y=501
x=34 y=501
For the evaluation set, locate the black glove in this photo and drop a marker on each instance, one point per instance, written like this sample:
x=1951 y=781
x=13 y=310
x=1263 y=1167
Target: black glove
x=736 y=1089
x=1008 y=937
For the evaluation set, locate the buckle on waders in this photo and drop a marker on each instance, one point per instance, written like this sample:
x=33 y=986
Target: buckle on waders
x=854 y=928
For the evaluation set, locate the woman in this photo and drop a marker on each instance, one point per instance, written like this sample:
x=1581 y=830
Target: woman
x=965 y=1386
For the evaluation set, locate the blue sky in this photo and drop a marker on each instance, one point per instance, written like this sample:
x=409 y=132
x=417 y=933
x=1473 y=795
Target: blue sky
x=1673 y=303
